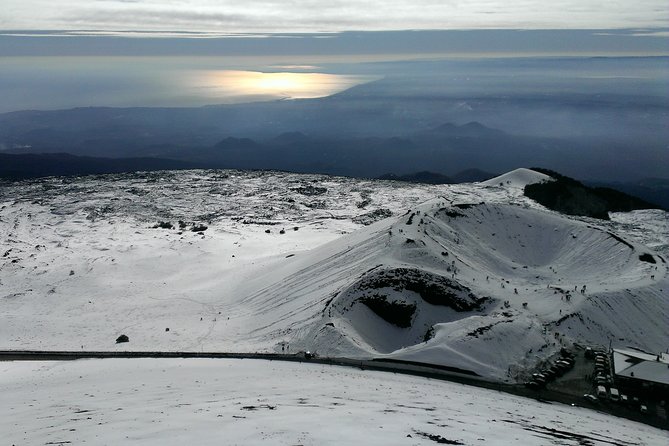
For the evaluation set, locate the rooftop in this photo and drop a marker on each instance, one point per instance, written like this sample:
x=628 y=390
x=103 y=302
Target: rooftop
x=642 y=366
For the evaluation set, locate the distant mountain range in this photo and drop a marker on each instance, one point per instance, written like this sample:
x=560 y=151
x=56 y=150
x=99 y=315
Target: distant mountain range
x=389 y=126
x=395 y=128
x=446 y=148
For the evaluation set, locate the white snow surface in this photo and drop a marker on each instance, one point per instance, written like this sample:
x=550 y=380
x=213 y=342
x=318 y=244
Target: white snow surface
x=241 y=402
x=81 y=264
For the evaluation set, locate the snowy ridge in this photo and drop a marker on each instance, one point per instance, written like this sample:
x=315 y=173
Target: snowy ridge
x=518 y=178
x=477 y=277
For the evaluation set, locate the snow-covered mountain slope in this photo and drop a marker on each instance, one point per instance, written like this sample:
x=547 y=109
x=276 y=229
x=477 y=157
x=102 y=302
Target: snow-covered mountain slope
x=477 y=277
x=481 y=287
x=214 y=401
x=518 y=178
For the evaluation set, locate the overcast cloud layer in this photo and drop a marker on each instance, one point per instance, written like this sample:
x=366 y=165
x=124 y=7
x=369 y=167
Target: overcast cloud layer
x=267 y=16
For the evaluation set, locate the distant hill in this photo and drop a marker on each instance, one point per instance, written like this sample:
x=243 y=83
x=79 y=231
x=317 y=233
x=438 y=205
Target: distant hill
x=472 y=176
x=569 y=196
x=288 y=138
x=427 y=177
x=653 y=190
x=419 y=177
x=472 y=129
x=57 y=164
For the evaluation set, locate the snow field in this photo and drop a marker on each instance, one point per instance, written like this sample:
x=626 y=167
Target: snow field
x=217 y=401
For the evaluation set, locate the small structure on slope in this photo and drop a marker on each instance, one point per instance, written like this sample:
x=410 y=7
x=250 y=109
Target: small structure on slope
x=641 y=372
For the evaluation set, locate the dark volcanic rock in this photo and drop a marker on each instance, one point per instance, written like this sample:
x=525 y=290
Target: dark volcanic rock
x=310 y=190
x=432 y=288
x=373 y=216
x=163 y=225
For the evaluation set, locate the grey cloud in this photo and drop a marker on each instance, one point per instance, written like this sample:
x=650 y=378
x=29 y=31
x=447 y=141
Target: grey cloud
x=334 y=15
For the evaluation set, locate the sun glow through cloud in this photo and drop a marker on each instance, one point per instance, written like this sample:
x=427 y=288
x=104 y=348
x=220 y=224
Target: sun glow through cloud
x=288 y=85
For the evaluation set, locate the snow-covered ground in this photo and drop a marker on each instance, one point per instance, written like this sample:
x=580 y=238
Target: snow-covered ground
x=215 y=401
x=82 y=263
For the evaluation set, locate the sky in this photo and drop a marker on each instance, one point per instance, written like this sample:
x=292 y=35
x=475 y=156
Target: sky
x=67 y=53
x=271 y=16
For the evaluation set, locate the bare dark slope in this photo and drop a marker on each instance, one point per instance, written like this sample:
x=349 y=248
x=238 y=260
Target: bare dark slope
x=571 y=197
